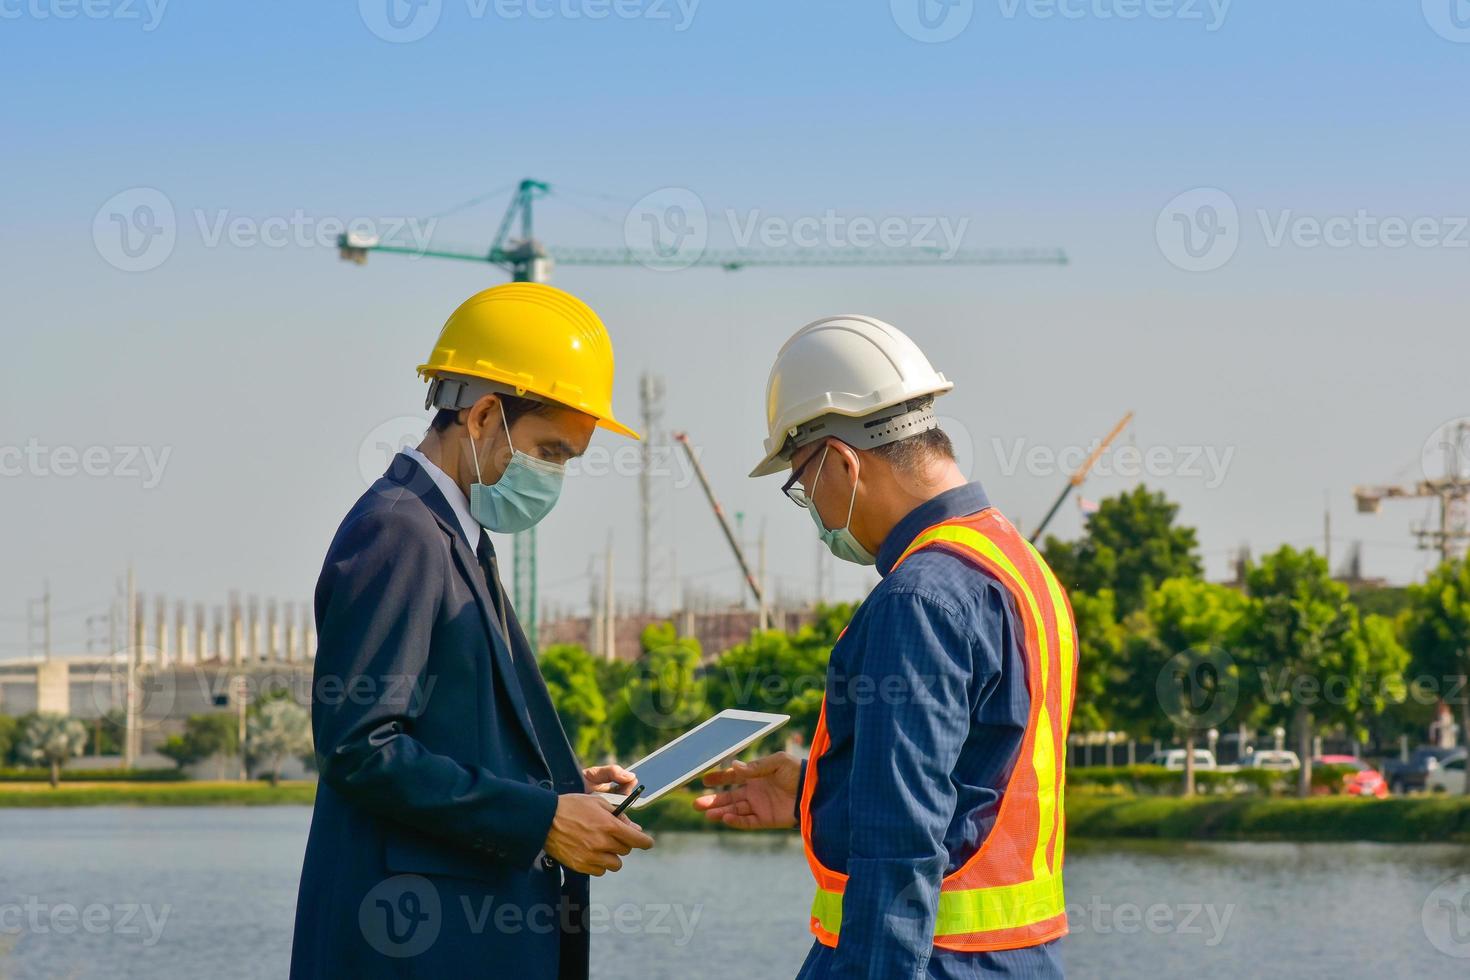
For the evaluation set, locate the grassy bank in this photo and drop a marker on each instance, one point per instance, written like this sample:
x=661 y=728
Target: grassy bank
x=1327 y=818
x=1089 y=814
x=155 y=794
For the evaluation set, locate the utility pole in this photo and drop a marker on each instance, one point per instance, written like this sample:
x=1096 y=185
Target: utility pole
x=650 y=402
x=764 y=614
x=609 y=607
x=38 y=624
x=1327 y=530
x=130 y=709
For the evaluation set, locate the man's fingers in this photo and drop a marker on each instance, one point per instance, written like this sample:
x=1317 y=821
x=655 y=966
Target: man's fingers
x=717 y=799
x=632 y=836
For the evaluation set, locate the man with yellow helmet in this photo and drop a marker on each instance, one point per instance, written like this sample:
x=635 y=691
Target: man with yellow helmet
x=454 y=829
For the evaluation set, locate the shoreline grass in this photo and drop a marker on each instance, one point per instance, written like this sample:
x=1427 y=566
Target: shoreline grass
x=1090 y=815
x=1403 y=820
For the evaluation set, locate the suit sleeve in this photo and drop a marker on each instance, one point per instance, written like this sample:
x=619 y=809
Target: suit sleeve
x=912 y=715
x=380 y=595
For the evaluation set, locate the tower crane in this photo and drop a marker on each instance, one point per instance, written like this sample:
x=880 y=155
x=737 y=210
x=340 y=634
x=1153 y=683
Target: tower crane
x=1451 y=490
x=527 y=259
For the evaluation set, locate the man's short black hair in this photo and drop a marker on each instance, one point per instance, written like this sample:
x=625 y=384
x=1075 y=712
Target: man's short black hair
x=513 y=406
x=910 y=454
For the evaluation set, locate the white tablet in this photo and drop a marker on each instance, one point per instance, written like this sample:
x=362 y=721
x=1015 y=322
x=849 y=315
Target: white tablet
x=696 y=750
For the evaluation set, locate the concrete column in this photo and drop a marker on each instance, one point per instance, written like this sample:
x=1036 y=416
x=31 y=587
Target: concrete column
x=53 y=687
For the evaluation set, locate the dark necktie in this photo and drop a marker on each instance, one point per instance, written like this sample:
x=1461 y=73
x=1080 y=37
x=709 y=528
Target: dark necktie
x=490 y=566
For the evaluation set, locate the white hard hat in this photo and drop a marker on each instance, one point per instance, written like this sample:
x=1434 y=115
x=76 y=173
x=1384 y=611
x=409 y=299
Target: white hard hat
x=845 y=368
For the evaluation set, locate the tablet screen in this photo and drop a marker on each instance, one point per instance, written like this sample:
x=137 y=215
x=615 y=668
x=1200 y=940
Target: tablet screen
x=702 y=746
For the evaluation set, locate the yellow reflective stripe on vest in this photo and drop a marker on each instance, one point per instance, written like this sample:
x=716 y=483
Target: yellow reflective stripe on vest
x=1044 y=749
x=970 y=910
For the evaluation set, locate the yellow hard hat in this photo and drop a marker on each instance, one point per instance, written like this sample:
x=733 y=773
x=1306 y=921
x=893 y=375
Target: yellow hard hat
x=526 y=339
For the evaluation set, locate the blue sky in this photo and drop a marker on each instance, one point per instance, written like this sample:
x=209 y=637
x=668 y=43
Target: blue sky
x=260 y=369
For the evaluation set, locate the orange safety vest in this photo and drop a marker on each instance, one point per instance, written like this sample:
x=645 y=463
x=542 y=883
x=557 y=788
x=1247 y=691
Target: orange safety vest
x=1009 y=893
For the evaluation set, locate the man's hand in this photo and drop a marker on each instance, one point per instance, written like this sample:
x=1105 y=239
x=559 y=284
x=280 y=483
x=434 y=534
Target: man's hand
x=586 y=837
x=763 y=793
x=609 y=779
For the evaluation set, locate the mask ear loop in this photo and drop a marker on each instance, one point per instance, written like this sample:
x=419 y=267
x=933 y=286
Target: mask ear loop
x=852 y=501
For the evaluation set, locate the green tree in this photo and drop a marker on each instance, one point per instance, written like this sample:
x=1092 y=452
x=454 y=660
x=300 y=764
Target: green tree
x=1102 y=676
x=214 y=734
x=660 y=695
x=275 y=731
x=50 y=739
x=9 y=732
x=571 y=679
x=1129 y=546
x=1306 y=642
x=1181 y=655
x=1438 y=633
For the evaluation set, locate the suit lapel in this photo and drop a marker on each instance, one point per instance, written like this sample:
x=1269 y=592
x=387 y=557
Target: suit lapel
x=406 y=471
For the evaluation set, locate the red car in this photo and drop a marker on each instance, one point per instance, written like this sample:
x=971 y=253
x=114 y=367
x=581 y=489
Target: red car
x=1364 y=780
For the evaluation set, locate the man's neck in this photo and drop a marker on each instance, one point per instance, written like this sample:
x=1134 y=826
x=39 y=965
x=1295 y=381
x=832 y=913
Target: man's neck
x=902 y=496
x=439 y=452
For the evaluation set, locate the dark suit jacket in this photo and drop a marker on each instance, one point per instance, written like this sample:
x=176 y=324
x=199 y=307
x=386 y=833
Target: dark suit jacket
x=436 y=791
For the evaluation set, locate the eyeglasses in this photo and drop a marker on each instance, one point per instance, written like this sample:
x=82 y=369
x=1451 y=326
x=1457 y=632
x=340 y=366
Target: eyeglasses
x=797 y=494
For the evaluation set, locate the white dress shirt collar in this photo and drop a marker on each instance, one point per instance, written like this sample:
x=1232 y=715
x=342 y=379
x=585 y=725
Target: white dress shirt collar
x=452 y=493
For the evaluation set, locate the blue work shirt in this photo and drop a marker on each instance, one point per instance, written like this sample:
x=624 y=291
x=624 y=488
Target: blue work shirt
x=926 y=709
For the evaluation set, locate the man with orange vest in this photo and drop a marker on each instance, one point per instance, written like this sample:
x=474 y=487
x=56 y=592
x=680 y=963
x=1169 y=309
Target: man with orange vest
x=931 y=806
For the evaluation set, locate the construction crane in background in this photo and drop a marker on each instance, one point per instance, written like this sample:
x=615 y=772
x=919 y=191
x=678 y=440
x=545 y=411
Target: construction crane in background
x=1452 y=490
x=1078 y=477
x=756 y=587
x=529 y=260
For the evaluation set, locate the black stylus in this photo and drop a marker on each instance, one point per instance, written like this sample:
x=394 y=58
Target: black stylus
x=628 y=800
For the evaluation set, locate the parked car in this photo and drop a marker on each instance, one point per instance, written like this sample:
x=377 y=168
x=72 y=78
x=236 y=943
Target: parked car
x=1364 y=780
x=1449 y=775
x=1273 y=759
x=1174 y=759
x=1405 y=777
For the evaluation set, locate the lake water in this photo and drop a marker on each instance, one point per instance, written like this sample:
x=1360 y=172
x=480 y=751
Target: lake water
x=188 y=893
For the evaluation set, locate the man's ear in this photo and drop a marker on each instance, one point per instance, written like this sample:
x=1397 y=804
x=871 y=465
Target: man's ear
x=480 y=416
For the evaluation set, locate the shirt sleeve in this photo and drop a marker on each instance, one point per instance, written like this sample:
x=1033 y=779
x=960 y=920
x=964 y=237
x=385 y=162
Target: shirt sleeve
x=911 y=696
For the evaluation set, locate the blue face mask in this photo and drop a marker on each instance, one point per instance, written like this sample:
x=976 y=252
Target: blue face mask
x=839 y=541
x=524 y=494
